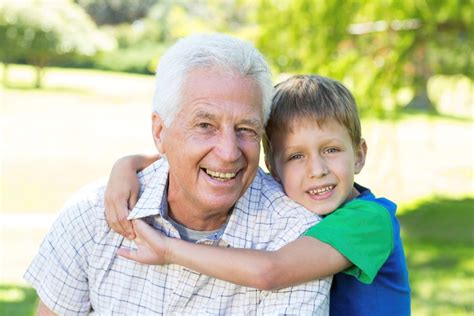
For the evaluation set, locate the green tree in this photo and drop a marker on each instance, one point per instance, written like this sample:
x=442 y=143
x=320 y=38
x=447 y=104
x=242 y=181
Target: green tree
x=178 y=18
x=38 y=32
x=377 y=48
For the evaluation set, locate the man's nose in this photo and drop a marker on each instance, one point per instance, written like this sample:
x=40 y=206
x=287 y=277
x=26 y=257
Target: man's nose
x=228 y=146
x=317 y=167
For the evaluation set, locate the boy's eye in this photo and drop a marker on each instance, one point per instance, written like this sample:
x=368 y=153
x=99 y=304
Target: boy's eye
x=295 y=157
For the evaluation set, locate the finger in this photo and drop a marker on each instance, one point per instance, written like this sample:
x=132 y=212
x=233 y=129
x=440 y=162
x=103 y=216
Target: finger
x=132 y=201
x=128 y=254
x=142 y=228
x=121 y=218
x=146 y=232
x=117 y=219
x=128 y=225
x=112 y=220
x=125 y=224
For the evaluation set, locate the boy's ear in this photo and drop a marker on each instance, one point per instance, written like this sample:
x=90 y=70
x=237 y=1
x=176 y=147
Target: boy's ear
x=158 y=130
x=361 y=153
x=272 y=171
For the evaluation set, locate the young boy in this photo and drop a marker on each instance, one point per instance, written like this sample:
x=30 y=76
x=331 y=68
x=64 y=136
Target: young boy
x=313 y=147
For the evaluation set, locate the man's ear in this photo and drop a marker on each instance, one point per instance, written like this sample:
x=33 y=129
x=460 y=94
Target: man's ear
x=361 y=153
x=158 y=130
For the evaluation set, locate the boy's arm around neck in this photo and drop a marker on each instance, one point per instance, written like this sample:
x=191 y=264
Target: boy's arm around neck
x=300 y=261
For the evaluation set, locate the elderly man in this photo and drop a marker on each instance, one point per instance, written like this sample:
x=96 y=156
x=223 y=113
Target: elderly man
x=211 y=102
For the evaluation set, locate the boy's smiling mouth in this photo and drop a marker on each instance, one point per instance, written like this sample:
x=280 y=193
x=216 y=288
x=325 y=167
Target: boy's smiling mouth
x=321 y=190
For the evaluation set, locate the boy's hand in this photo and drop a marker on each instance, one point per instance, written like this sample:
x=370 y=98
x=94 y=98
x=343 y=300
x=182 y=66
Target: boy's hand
x=152 y=246
x=121 y=196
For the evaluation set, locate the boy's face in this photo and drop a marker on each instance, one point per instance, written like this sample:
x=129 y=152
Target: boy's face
x=316 y=166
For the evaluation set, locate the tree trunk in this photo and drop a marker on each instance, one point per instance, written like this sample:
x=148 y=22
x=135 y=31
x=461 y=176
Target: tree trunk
x=39 y=63
x=39 y=76
x=421 y=101
x=5 y=74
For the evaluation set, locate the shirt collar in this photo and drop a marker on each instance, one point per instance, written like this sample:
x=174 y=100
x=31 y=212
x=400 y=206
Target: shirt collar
x=153 y=201
x=153 y=181
x=245 y=208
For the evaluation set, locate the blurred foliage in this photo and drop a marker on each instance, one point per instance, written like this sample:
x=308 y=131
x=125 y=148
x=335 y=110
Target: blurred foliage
x=377 y=48
x=39 y=32
x=116 y=11
x=384 y=51
x=135 y=59
x=181 y=18
x=141 y=42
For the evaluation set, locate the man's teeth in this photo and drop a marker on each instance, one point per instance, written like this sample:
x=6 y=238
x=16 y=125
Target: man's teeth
x=321 y=190
x=221 y=176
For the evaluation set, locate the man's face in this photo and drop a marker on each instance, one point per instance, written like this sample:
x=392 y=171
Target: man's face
x=213 y=144
x=316 y=165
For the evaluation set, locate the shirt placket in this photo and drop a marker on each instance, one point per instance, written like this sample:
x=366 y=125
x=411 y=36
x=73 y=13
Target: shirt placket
x=186 y=283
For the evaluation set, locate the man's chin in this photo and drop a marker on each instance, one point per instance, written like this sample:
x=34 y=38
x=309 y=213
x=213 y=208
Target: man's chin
x=222 y=203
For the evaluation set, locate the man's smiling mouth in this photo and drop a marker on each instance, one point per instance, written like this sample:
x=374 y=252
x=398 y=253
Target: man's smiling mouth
x=221 y=176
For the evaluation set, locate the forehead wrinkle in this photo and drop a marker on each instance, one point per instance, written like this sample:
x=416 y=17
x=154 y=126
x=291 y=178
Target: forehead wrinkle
x=204 y=114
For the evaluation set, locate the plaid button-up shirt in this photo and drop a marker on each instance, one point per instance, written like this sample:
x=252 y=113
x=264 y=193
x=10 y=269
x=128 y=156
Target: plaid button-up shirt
x=77 y=270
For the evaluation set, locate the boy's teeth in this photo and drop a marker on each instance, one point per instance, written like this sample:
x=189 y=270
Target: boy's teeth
x=321 y=190
x=221 y=176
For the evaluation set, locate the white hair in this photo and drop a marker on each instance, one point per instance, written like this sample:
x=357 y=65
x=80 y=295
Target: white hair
x=218 y=51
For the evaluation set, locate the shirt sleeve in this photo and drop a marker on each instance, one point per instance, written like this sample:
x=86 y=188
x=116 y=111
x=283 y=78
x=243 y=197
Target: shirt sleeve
x=59 y=270
x=361 y=231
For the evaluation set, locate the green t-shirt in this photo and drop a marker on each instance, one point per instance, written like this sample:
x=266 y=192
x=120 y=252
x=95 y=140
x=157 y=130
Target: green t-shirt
x=362 y=232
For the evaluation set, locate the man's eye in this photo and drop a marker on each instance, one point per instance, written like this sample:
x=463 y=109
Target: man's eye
x=331 y=150
x=204 y=125
x=248 y=132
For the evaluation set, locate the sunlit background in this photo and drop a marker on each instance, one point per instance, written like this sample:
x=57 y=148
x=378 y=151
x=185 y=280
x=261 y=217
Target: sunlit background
x=77 y=83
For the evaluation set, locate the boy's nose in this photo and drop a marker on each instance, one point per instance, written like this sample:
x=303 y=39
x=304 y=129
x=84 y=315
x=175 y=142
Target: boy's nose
x=317 y=167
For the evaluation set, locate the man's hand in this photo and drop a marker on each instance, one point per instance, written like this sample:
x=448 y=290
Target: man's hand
x=152 y=246
x=121 y=196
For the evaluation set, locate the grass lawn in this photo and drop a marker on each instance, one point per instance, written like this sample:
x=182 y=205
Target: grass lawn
x=438 y=236
x=17 y=300
x=59 y=138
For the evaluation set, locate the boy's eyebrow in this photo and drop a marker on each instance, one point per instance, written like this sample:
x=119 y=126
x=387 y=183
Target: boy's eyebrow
x=288 y=150
x=324 y=142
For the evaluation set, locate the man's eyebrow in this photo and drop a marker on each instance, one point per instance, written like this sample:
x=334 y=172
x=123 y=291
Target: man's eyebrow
x=204 y=115
x=252 y=121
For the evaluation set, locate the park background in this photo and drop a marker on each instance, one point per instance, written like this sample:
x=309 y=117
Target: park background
x=77 y=84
